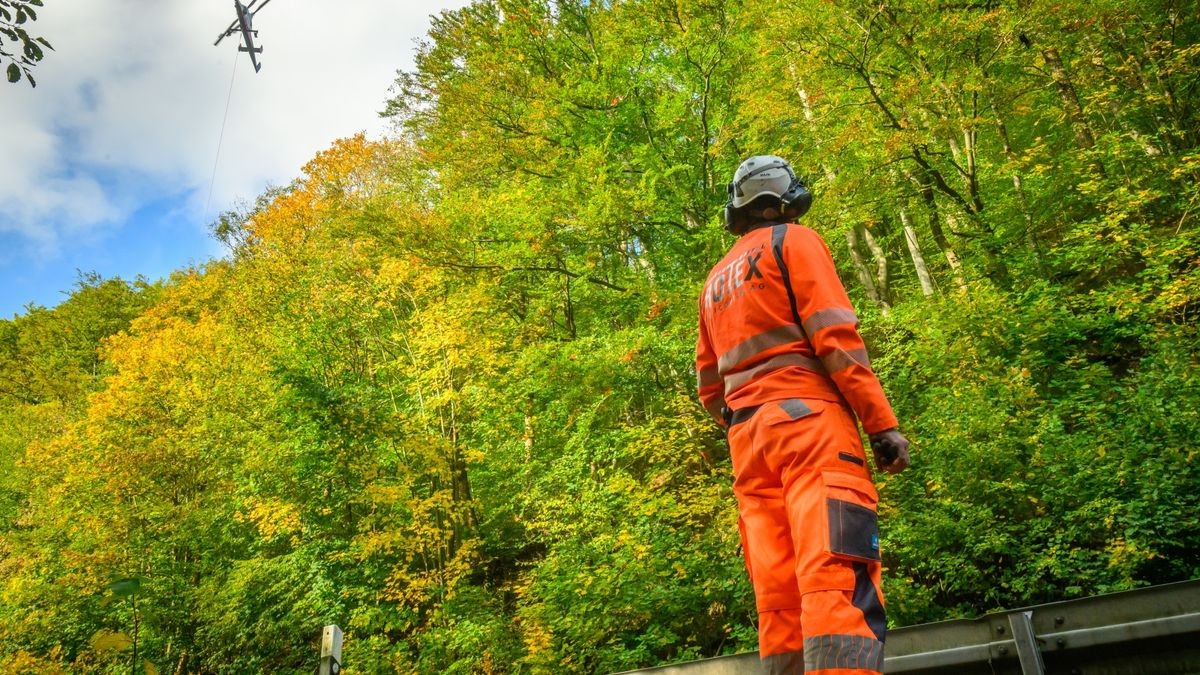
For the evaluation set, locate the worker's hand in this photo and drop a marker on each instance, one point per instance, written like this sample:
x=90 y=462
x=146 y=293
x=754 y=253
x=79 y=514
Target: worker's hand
x=891 y=450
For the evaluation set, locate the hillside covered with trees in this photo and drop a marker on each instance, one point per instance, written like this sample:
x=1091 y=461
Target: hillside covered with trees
x=441 y=391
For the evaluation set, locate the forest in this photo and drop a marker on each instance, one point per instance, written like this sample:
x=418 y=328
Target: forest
x=441 y=390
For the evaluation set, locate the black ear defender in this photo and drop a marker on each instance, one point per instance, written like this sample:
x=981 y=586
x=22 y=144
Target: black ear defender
x=735 y=218
x=797 y=200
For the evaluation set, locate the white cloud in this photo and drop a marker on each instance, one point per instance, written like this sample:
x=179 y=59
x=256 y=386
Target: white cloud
x=129 y=106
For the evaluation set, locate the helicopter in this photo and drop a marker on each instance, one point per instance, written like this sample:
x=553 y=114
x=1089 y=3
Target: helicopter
x=243 y=24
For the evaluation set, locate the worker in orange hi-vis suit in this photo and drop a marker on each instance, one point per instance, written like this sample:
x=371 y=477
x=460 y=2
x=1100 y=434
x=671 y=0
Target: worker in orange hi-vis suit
x=781 y=365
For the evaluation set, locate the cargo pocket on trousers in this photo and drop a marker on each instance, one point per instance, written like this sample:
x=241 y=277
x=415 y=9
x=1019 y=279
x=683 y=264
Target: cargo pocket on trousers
x=853 y=526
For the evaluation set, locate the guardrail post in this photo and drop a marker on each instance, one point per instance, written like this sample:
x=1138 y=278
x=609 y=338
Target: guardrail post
x=331 y=651
x=1027 y=646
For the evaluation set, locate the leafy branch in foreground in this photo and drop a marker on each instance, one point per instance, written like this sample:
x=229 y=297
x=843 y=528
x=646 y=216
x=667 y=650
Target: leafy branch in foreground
x=27 y=49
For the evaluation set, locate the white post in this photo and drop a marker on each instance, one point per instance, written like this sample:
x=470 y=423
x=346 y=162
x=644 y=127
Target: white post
x=331 y=650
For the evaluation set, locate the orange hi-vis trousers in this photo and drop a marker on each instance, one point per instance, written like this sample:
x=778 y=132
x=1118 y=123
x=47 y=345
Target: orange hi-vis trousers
x=807 y=516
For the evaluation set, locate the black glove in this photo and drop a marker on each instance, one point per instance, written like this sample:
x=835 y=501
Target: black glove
x=891 y=450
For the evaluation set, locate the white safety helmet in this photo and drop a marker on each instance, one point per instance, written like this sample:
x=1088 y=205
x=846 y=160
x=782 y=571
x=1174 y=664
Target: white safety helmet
x=765 y=176
x=757 y=176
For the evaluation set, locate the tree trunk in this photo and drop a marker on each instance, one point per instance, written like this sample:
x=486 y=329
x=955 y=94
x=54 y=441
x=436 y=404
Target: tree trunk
x=914 y=250
x=939 y=235
x=460 y=480
x=882 y=271
x=1084 y=139
x=806 y=105
x=952 y=258
x=1070 y=99
x=860 y=266
x=965 y=160
x=568 y=304
x=528 y=439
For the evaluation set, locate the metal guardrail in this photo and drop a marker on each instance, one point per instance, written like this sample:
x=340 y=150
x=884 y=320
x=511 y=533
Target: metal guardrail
x=1148 y=631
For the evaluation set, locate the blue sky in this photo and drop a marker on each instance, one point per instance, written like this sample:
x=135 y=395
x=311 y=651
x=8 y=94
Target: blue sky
x=106 y=166
x=152 y=240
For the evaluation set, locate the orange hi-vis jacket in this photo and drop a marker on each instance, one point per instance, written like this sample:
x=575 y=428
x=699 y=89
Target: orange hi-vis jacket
x=776 y=323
